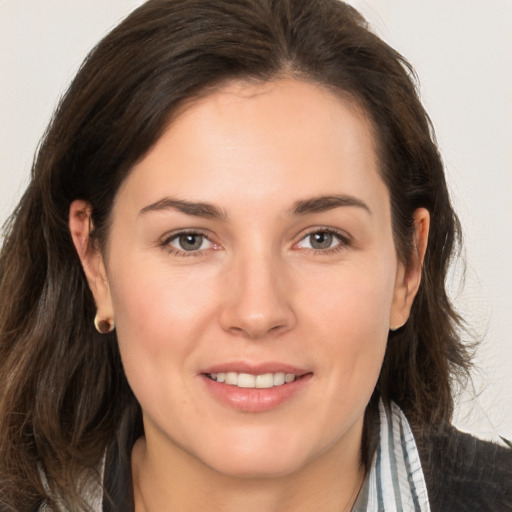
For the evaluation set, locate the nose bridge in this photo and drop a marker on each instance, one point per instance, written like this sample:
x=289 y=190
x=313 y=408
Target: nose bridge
x=258 y=298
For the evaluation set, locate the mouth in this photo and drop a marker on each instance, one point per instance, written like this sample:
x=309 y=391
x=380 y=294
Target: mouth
x=249 y=381
x=256 y=389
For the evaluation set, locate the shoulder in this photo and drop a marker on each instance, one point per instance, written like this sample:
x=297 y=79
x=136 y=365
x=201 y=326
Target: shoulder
x=464 y=473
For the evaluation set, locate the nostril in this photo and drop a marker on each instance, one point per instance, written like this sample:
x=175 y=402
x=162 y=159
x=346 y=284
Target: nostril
x=257 y=330
x=255 y=305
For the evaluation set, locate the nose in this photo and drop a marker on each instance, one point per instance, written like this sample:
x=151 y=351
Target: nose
x=258 y=297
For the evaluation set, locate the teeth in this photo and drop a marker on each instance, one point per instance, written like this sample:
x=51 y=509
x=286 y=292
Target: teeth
x=246 y=380
x=231 y=378
x=279 y=379
x=265 y=381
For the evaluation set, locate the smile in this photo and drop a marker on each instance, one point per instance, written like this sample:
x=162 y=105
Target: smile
x=246 y=380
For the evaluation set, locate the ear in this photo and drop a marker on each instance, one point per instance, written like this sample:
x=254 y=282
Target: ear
x=80 y=226
x=408 y=278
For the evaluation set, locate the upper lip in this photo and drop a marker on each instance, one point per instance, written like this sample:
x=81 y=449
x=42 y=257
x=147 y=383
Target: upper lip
x=255 y=368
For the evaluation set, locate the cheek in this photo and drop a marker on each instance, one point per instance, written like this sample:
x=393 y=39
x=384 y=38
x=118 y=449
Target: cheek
x=356 y=298
x=350 y=319
x=161 y=317
x=149 y=295
x=157 y=309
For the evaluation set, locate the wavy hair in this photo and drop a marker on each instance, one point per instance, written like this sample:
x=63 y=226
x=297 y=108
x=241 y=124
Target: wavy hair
x=63 y=392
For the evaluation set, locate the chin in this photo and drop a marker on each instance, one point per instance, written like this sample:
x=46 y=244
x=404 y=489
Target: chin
x=251 y=469
x=255 y=460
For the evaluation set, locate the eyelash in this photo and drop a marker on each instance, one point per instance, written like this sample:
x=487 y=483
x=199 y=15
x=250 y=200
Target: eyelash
x=343 y=242
x=165 y=244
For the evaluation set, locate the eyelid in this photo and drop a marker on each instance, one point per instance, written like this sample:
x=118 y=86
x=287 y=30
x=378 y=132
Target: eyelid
x=165 y=241
x=184 y=231
x=345 y=240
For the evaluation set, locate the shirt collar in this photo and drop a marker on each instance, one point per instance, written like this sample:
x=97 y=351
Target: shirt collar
x=395 y=480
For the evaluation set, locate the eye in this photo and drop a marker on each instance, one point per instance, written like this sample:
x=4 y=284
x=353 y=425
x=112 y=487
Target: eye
x=323 y=240
x=188 y=242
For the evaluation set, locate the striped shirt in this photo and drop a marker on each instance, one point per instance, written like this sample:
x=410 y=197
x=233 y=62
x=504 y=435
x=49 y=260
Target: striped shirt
x=395 y=481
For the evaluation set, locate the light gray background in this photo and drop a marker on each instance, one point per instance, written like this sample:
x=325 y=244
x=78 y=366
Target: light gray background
x=462 y=52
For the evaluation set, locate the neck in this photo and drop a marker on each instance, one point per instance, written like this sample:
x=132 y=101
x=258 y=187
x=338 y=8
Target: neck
x=178 y=481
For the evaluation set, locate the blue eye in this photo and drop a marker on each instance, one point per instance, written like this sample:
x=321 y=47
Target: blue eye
x=188 y=242
x=323 y=240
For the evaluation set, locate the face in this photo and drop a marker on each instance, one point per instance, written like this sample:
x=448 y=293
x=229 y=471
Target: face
x=253 y=278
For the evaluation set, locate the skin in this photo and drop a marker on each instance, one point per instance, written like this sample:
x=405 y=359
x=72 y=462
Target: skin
x=257 y=290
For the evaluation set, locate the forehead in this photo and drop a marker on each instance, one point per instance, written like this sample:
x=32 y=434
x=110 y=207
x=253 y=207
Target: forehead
x=261 y=140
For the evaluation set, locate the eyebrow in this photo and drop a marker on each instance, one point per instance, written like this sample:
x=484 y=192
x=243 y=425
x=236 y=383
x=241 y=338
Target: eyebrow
x=325 y=203
x=210 y=211
x=197 y=209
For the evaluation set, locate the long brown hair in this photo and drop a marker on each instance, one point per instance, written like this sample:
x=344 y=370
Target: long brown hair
x=62 y=387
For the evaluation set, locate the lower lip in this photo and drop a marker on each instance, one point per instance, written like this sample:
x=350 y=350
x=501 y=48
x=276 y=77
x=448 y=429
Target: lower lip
x=256 y=399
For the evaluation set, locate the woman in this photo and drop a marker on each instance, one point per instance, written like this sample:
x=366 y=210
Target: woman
x=224 y=286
